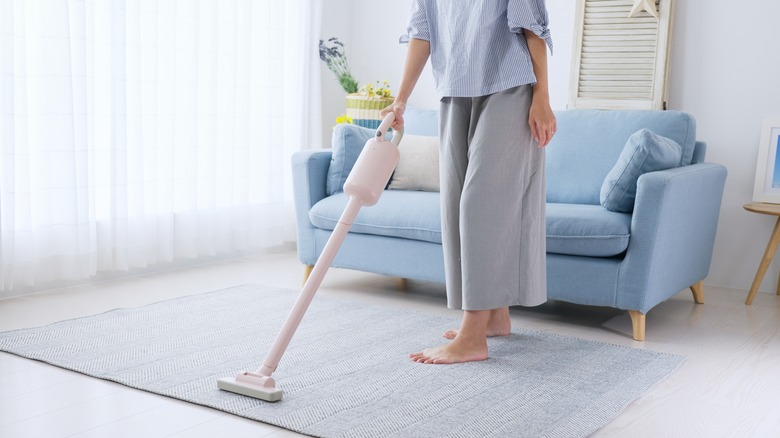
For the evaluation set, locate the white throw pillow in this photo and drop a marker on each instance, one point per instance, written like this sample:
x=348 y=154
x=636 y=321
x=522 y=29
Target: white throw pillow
x=418 y=167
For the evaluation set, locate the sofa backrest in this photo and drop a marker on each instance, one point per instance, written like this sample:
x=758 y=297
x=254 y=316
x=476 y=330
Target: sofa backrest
x=585 y=148
x=588 y=143
x=419 y=121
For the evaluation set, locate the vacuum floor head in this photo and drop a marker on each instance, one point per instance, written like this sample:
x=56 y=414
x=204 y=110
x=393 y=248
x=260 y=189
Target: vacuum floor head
x=269 y=394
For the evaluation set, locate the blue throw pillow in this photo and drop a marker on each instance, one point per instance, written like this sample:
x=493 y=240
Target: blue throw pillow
x=644 y=152
x=347 y=142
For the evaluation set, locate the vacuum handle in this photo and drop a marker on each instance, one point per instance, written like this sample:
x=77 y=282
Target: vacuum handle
x=385 y=125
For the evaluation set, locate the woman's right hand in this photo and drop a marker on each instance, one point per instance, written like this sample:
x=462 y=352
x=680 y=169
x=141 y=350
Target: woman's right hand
x=398 y=108
x=416 y=56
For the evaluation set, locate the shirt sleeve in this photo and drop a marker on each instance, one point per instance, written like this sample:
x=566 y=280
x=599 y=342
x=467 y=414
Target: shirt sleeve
x=418 y=24
x=531 y=15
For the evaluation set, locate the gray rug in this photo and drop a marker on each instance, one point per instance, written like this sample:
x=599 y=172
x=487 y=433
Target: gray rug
x=346 y=373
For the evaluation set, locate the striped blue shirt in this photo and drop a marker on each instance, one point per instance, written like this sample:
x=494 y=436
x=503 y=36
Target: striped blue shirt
x=477 y=46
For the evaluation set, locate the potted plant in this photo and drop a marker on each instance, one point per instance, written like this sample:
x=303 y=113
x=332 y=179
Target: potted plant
x=363 y=104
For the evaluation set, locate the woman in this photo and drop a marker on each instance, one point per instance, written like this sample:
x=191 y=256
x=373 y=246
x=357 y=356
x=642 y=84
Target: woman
x=489 y=61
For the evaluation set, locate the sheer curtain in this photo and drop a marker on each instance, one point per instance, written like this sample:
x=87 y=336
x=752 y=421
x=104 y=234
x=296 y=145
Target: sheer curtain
x=141 y=132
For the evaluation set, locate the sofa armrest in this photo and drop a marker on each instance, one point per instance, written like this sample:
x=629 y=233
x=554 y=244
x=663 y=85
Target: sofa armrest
x=672 y=234
x=310 y=173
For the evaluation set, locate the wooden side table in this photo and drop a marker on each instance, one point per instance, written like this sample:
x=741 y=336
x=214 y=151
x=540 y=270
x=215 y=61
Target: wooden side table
x=771 y=247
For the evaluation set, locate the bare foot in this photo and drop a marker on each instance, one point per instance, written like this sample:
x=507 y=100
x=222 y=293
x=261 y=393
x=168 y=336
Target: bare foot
x=499 y=324
x=451 y=334
x=456 y=351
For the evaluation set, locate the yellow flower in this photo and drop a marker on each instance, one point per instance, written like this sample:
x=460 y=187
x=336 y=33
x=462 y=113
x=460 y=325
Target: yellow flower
x=344 y=119
x=381 y=89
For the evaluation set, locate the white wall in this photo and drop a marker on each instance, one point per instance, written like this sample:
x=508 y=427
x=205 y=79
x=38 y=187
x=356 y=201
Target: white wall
x=337 y=19
x=724 y=72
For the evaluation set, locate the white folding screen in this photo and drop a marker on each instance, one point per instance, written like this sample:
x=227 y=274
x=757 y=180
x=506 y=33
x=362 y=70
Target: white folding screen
x=621 y=54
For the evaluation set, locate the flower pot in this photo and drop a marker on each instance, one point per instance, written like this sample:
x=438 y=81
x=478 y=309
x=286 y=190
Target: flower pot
x=364 y=110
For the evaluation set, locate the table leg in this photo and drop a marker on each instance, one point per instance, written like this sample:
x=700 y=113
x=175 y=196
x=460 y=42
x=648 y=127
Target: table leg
x=771 y=248
x=777 y=292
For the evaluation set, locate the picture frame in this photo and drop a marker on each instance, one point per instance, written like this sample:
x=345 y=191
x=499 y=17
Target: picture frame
x=767 y=184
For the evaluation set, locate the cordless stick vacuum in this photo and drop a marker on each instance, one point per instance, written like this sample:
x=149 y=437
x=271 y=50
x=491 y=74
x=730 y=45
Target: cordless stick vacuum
x=364 y=185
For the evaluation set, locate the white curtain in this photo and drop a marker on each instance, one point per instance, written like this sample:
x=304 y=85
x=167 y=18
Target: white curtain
x=135 y=133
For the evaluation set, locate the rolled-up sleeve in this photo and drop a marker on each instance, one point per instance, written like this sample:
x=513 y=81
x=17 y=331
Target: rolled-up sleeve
x=531 y=15
x=418 y=27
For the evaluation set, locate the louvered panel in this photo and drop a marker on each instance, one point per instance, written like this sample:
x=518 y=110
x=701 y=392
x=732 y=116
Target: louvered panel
x=619 y=79
x=639 y=51
x=633 y=92
x=615 y=89
x=625 y=44
x=596 y=59
x=599 y=12
x=636 y=86
x=648 y=27
x=618 y=69
x=627 y=75
x=629 y=36
x=615 y=10
x=617 y=95
x=619 y=60
x=593 y=55
x=627 y=32
x=606 y=2
x=601 y=63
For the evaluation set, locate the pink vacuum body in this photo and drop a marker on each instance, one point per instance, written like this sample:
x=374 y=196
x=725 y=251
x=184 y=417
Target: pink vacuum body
x=364 y=186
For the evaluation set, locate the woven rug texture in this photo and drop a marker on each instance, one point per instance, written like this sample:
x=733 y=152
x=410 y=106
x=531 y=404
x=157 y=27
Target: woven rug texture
x=346 y=372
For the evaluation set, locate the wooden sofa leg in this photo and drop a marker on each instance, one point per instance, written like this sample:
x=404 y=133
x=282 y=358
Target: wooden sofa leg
x=698 y=292
x=638 y=323
x=306 y=272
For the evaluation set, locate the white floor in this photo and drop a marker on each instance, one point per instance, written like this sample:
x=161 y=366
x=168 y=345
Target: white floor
x=728 y=387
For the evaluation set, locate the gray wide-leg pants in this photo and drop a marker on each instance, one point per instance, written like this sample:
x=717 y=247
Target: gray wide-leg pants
x=493 y=202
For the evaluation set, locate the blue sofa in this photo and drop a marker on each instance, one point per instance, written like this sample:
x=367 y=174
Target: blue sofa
x=631 y=261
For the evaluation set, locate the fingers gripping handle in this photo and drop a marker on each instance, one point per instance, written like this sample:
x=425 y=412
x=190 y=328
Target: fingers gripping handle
x=387 y=122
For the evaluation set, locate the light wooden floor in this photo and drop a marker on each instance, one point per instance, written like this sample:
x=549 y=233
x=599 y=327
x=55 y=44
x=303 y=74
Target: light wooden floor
x=728 y=387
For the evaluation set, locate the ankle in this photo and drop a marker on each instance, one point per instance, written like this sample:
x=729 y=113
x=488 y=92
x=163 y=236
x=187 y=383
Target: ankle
x=471 y=338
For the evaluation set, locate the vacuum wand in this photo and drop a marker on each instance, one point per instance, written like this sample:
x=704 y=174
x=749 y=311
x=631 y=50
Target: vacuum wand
x=363 y=186
x=310 y=288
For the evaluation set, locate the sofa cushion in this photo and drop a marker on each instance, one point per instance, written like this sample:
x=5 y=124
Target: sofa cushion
x=589 y=142
x=348 y=140
x=644 y=152
x=586 y=230
x=418 y=167
x=399 y=213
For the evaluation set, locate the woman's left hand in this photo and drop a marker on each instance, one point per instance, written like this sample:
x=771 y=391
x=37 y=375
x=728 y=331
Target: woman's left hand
x=542 y=121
